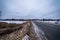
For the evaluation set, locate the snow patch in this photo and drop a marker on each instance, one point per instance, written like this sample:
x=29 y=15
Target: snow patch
x=26 y=37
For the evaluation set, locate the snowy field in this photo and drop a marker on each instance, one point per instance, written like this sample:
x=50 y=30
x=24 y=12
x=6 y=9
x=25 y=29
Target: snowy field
x=17 y=22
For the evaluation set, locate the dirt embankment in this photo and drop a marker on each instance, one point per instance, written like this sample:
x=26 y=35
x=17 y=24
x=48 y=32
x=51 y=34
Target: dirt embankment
x=16 y=31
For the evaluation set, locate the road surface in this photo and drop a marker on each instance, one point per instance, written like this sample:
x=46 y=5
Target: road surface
x=51 y=31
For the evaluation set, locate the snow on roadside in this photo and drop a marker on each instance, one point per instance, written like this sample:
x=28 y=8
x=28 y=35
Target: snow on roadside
x=39 y=33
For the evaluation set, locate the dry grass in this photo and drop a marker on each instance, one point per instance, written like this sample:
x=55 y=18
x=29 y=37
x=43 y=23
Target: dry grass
x=17 y=31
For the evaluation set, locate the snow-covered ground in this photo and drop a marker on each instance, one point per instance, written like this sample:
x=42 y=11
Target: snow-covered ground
x=17 y=22
x=52 y=22
x=25 y=38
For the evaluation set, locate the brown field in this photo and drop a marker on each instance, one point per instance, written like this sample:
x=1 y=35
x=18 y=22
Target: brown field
x=11 y=31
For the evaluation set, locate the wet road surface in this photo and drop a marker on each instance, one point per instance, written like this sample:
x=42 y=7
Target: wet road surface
x=51 y=31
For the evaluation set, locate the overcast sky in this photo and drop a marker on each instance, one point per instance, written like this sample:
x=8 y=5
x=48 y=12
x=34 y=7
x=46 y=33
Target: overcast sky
x=30 y=8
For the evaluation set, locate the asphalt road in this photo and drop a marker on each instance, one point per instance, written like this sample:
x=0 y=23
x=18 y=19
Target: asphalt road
x=51 y=31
